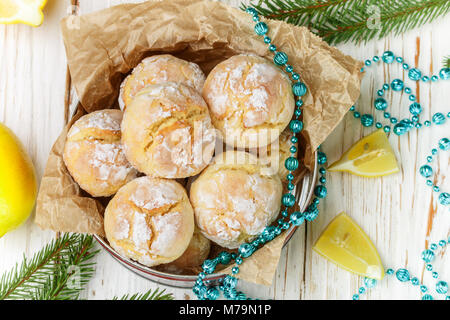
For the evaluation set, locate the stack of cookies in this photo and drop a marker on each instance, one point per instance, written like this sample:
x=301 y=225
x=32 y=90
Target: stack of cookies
x=189 y=161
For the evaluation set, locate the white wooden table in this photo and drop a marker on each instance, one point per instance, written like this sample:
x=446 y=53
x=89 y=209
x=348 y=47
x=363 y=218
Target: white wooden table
x=398 y=212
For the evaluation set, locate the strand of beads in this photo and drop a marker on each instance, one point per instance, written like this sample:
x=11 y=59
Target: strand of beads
x=404 y=125
x=401 y=127
x=403 y=275
x=426 y=171
x=296 y=218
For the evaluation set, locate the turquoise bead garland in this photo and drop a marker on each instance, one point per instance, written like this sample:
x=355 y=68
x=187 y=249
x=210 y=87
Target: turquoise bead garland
x=229 y=282
x=401 y=127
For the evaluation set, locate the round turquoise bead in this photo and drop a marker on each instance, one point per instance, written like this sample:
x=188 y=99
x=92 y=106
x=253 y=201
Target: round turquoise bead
x=444 y=198
x=385 y=86
x=356 y=114
x=423 y=288
x=402 y=275
x=209 y=266
x=229 y=281
x=272 y=47
x=294 y=139
x=293 y=149
x=355 y=297
x=320 y=191
x=235 y=270
x=408 y=124
x=427 y=297
x=376 y=58
x=261 y=28
x=251 y=10
x=380 y=93
x=444 y=144
x=321 y=158
x=397 y=85
x=370 y=283
x=378 y=125
x=442 y=287
x=414 y=74
x=245 y=250
x=297 y=218
x=311 y=214
x=291 y=163
x=387 y=115
x=296 y=126
x=298 y=113
x=212 y=294
x=407 y=90
x=412 y=97
x=399 y=59
x=436 y=189
x=434 y=78
x=299 y=89
x=393 y=120
x=267 y=39
x=280 y=58
x=435 y=275
x=288 y=199
x=425 y=78
x=389 y=271
x=387 y=129
x=367 y=120
x=388 y=57
x=405 y=66
x=438 y=118
x=400 y=128
x=415 y=281
x=295 y=76
x=367 y=62
x=380 y=104
x=427 y=255
x=225 y=257
x=415 y=108
x=299 y=103
x=256 y=18
x=426 y=171
x=427 y=123
x=444 y=73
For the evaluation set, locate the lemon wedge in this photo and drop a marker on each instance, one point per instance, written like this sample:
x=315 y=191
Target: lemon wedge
x=18 y=185
x=344 y=243
x=22 y=11
x=372 y=156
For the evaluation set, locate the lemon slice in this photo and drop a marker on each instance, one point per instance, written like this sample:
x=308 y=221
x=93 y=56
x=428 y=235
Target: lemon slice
x=344 y=243
x=372 y=156
x=22 y=11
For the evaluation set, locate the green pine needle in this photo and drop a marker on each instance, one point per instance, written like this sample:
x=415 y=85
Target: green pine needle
x=338 y=21
x=446 y=62
x=59 y=271
x=156 y=294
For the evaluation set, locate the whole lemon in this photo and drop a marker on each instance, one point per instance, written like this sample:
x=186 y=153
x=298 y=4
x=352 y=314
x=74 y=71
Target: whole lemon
x=18 y=186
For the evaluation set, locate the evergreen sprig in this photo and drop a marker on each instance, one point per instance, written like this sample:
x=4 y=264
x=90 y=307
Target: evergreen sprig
x=58 y=271
x=446 y=62
x=338 y=21
x=156 y=294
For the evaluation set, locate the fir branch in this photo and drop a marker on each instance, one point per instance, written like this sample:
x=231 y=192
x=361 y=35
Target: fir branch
x=338 y=21
x=446 y=62
x=156 y=294
x=58 y=271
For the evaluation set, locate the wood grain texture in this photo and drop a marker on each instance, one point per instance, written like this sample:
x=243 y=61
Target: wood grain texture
x=399 y=213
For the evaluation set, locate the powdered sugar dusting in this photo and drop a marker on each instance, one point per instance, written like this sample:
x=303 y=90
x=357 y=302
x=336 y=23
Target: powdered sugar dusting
x=166 y=228
x=154 y=196
x=141 y=232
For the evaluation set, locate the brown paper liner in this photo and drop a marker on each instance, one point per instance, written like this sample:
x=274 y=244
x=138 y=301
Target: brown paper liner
x=103 y=47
